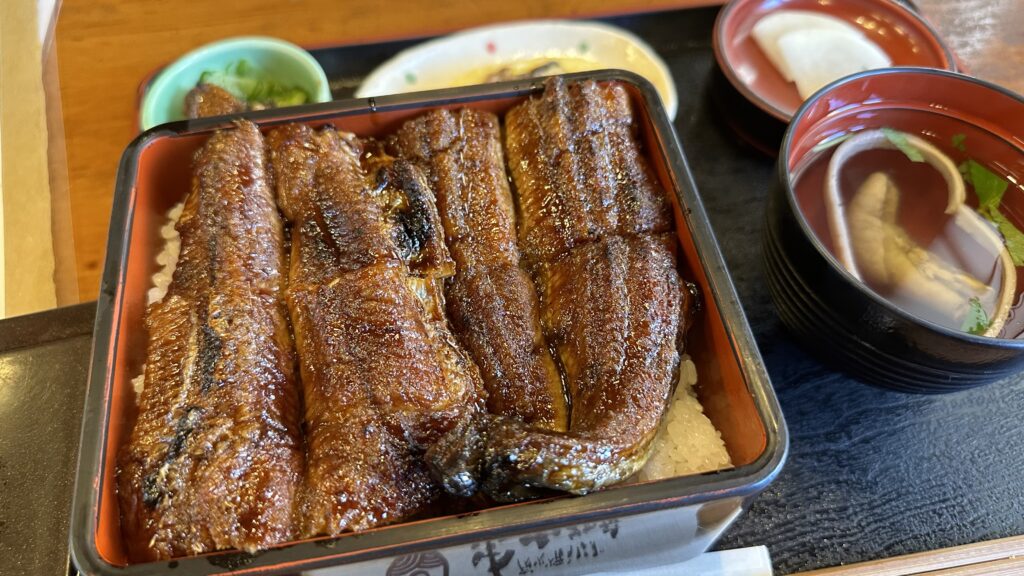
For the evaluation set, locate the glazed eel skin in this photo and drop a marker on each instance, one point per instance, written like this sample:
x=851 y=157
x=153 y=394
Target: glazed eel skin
x=211 y=100
x=382 y=377
x=594 y=230
x=215 y=457
x=614 y=311
x=491 y=301
x=579 y=172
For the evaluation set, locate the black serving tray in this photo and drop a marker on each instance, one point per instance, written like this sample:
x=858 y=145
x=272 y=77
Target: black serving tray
x=871 y=473
x=44 y=363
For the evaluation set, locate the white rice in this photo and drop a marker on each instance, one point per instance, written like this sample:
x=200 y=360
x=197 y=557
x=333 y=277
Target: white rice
x=139 y=382
x=688 y=442
x=168 y=256
x=161 y=279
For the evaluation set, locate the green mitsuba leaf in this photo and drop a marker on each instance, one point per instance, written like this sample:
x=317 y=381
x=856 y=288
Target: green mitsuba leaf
x=900 y=141
x=1012 y=236
x=958 y=142
x=988 y=186
x=976 y=321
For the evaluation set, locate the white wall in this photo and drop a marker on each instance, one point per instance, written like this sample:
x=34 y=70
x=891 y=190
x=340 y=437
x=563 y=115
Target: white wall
x=46 y=13
x=28 y=259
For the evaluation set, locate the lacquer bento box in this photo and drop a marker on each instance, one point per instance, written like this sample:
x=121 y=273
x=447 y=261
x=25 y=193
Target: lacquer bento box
x=676 y=517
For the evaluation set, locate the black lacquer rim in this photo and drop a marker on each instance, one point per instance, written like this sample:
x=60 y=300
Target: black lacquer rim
x=785 y=181
x=718 y=47
x=854 y=354
x=805 y=300
x=743 y=482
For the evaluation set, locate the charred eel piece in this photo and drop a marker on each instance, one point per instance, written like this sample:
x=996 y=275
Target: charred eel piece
x=382 y=379
x=215 y=457
x=211 y=100
x=592 y=225
x=613 y=311
x=578 y=170
x=491 y=301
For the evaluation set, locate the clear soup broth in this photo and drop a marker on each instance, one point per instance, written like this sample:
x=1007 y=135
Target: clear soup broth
x=891 y=221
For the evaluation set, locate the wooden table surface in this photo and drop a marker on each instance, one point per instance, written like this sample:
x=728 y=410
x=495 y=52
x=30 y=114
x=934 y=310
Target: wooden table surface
x=106 y=47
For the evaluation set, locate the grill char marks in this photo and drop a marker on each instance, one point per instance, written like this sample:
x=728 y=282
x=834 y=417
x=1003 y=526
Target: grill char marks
x=382 y=378
x=411 y=216
x=612 y=303
x=491 y=301
x=453 y=390
x=613 y=310
x=215 y=456
x=461 y=152
x=326 y=196
x=578 y=169
x=411 y=213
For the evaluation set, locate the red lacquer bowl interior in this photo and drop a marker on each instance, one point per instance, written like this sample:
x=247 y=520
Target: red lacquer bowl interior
x=935 y=104
x=902 y=34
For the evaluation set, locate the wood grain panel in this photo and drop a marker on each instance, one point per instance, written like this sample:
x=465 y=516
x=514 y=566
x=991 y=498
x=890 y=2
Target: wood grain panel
x=106 y=47
x=987 y=35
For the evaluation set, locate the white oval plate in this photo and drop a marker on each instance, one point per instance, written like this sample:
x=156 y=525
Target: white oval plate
x=467 y=57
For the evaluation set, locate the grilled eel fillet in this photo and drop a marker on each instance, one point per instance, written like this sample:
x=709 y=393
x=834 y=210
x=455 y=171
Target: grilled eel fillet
x=613 y=310
x=492 y=303
x=613 y=305
x=578 y=170
x=211 y=100
x=215 y=457
x=382 y=377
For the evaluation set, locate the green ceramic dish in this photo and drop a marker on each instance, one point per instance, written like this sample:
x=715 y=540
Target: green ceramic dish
x=284 y=62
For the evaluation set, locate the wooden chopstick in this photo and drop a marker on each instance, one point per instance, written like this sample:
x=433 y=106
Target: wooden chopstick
x=997 y=557
x=1006 y=567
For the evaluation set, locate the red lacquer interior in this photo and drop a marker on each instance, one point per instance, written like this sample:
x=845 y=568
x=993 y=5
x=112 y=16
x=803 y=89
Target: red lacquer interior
x=163 y=179
x=933 y=105
x=894 y=28
x=852 y=104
